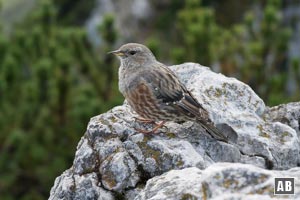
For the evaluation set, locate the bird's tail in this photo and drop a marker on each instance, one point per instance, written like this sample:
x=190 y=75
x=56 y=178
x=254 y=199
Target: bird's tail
x=214 y=132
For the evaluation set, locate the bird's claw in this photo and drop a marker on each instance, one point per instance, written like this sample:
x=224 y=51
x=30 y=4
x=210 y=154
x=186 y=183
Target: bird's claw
x=161 y=124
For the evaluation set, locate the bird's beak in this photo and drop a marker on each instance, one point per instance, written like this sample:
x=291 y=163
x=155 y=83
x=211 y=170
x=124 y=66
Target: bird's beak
x=117 y=53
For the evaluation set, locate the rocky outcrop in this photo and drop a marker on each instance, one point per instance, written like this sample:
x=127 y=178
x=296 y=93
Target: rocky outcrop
x=219 y=181
x=181 y=161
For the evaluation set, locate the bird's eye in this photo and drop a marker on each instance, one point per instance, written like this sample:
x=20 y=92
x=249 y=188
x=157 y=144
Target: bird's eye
x=132 y=52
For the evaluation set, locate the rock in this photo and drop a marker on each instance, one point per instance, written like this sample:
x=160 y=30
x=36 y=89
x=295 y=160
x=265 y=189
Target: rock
x=115 y=160
x=70 y=186
x=218 y=181
x=235 y=104
x=288 y=114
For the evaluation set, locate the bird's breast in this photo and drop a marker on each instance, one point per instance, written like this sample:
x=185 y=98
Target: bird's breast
x=128 y=78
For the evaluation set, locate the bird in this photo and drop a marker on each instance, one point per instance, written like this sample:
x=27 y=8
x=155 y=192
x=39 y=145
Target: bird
x=155 y=92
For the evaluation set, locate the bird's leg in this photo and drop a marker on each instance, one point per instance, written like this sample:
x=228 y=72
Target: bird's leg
x=154 y=129
x=161 y=124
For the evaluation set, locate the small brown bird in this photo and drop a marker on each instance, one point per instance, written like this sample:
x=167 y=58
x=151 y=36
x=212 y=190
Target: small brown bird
x=156 y=93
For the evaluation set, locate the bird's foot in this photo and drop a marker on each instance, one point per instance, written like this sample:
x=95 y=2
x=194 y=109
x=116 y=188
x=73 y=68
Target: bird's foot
x=161 y=124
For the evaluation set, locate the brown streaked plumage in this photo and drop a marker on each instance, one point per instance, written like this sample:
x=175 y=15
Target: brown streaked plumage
x=155 y=92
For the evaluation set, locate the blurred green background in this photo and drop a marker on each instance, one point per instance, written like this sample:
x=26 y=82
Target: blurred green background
x=55 y=73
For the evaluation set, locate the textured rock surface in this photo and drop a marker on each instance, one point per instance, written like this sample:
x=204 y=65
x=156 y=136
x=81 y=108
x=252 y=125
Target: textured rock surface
x=288 y=114
x=72 y=186
x=219 y=181
x=113 y=159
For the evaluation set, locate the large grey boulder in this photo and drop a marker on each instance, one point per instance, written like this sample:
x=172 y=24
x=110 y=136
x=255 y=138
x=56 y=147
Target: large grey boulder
x=219 y=181
x=113 y=159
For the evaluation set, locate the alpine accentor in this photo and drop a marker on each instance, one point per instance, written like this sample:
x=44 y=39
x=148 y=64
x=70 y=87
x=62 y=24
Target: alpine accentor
x=155 y=92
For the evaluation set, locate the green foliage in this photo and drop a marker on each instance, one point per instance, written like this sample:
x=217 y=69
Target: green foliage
x=263 y=51
x=51 y=82
x=73 y=12
x=253 y=51
x=198 y=29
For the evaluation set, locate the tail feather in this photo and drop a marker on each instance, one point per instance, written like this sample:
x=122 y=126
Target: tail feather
x=214 y=132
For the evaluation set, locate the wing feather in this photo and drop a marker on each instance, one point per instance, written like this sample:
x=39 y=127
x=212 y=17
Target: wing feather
x=169 y=91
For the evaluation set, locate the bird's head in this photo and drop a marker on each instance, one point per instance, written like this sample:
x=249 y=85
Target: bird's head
x=134 y=54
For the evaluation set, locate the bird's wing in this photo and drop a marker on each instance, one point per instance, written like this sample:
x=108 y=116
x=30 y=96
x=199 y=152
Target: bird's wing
x=169 y=90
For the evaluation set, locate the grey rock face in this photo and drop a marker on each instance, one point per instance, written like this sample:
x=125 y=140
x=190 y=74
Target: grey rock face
x=219 y=181
x=70 y=186
x=288 y=114
x=113 y=159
